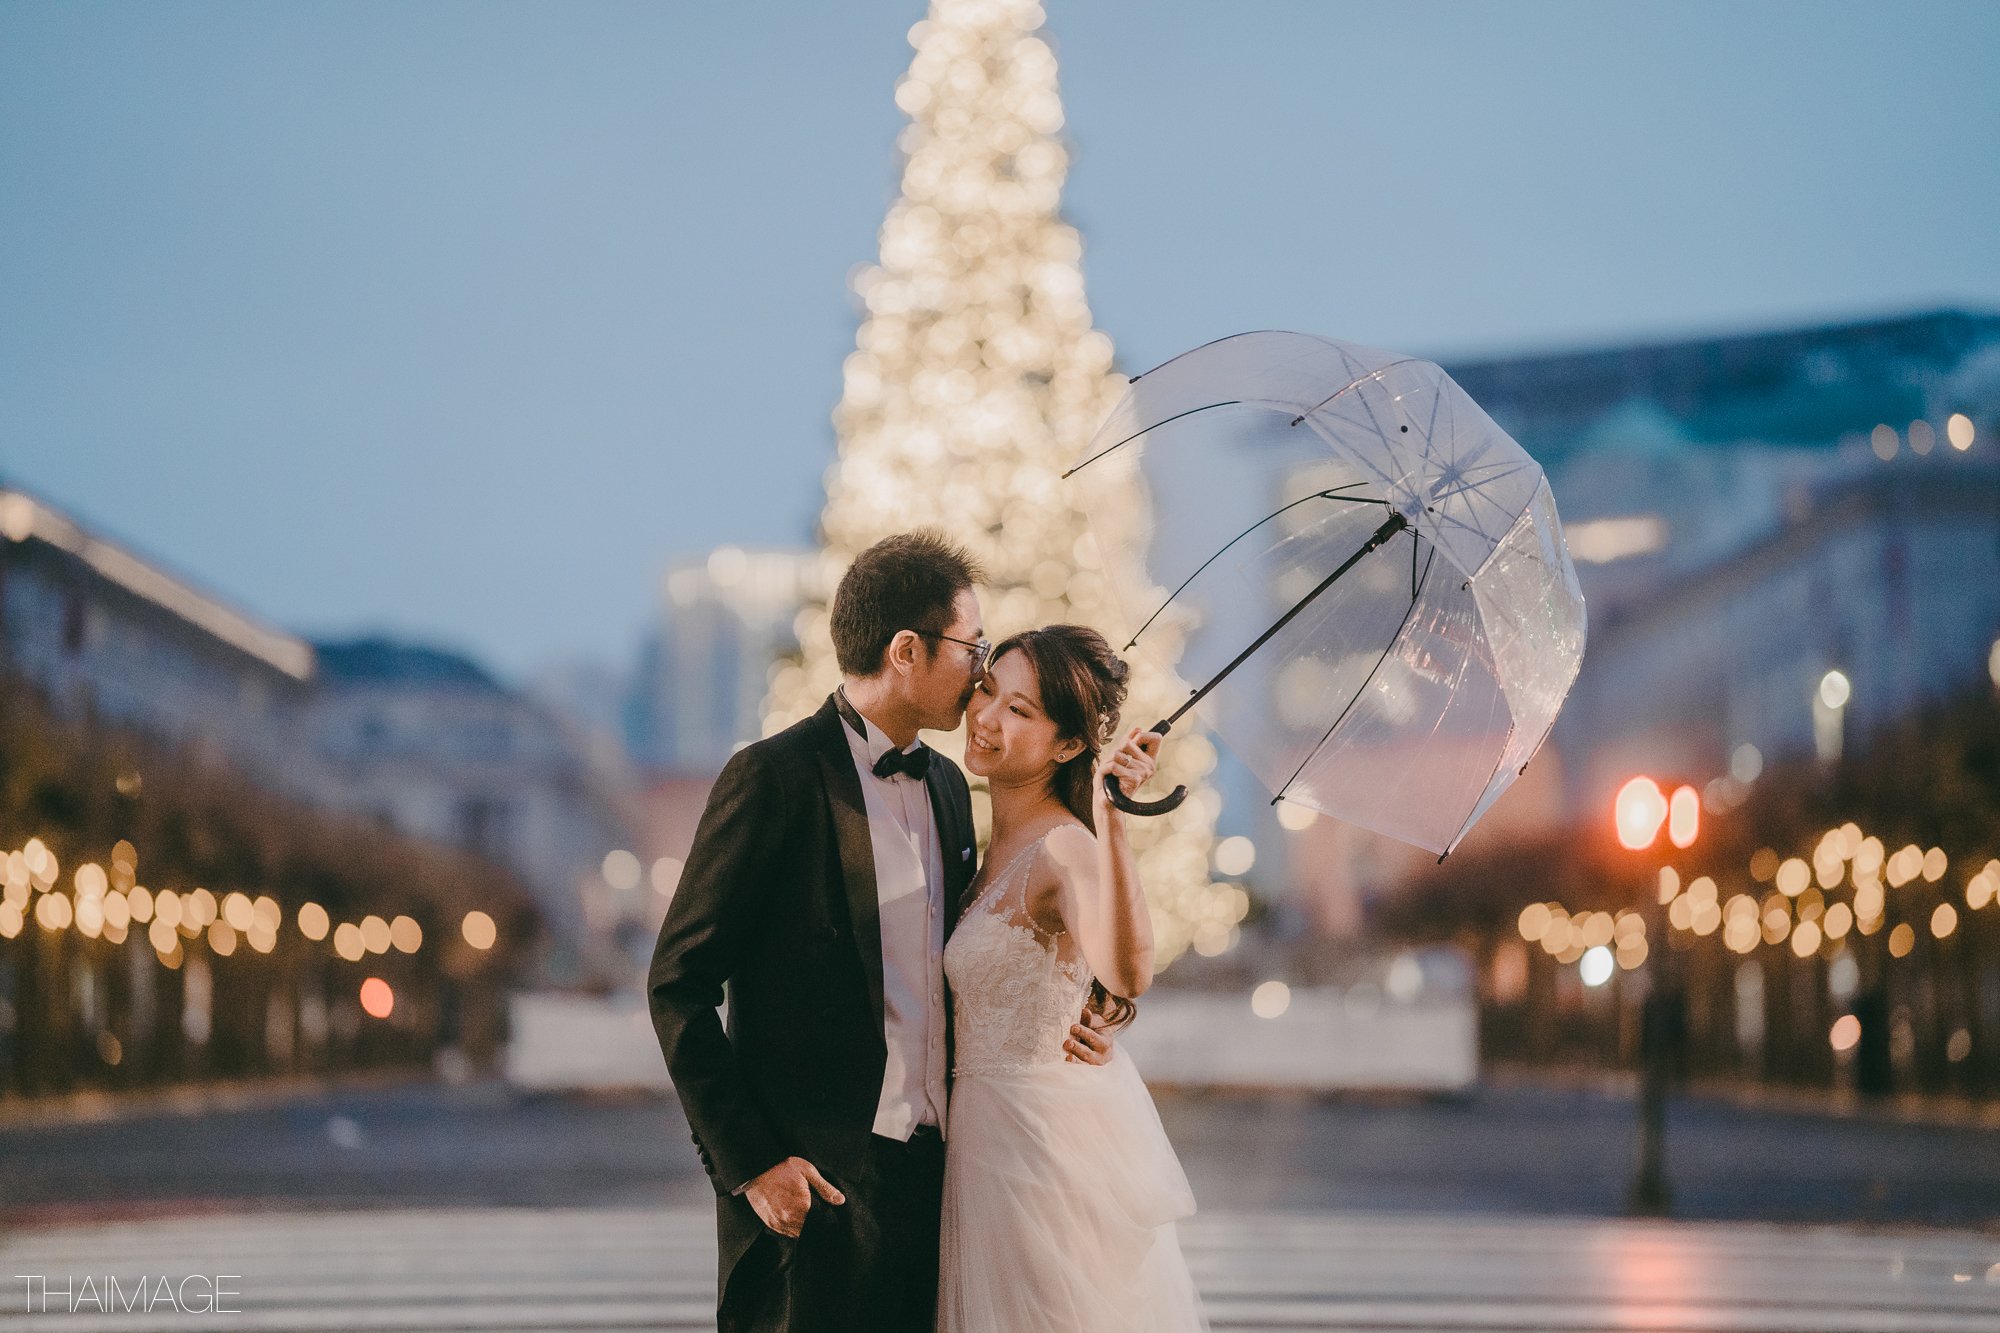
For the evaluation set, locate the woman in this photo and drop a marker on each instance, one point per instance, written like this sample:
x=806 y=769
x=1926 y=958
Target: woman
x=1060 y=1188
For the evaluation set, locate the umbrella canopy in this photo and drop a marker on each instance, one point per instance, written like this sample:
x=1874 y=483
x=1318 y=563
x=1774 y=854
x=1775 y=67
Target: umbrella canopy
x=1373 y=568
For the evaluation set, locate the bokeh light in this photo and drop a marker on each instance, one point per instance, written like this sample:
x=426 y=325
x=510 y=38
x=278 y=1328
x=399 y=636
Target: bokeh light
x=1639 y=809
x=1958 y=430
x=1270 y=999
x=313 y=921
x=377 y=999
x=479 y=930
x=621 y=870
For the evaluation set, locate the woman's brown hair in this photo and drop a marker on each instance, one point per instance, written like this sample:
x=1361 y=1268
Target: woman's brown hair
x=1082 y=685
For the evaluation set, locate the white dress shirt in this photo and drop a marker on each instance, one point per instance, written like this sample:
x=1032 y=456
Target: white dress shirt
x=909 y=892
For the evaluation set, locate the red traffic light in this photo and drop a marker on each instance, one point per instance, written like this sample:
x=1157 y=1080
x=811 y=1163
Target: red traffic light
x=1640 y=809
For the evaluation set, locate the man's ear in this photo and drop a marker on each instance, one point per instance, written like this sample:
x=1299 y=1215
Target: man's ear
x=902 y=654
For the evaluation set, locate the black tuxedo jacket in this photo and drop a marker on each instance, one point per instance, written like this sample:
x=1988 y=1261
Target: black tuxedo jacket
x=777 y=903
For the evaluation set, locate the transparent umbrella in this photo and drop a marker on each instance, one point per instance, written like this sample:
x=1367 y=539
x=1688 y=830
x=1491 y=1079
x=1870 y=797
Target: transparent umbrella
x=1380 y=614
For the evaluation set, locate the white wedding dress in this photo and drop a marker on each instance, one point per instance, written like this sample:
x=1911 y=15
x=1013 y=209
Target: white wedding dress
x=1060 y=1188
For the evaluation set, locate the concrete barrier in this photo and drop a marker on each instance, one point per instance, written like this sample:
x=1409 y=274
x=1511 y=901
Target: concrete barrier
x=1325 y=1040
x=565 y=1042
x=1415 y=1029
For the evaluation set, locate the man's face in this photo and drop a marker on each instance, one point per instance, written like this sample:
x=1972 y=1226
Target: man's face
x=941 y=685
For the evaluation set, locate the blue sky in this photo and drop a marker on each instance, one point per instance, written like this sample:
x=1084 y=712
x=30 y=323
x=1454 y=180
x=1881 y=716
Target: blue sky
x=460 y=320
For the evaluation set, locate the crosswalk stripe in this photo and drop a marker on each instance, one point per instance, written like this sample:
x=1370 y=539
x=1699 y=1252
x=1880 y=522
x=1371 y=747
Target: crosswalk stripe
x=570 y=1270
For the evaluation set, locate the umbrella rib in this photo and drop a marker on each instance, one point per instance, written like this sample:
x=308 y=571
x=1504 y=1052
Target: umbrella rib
x=1317 y=495
x=1401 y=625
x=1233 y=402
x=1373 y=374
x=1476 y=489
x=1374 y=418
x=1482 y=791
x=1217 y=342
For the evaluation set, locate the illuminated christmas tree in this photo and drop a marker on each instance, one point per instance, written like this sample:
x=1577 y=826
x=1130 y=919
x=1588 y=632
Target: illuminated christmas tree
x=975 y=381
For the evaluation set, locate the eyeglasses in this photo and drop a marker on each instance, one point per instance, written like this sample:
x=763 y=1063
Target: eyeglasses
x=981 y=650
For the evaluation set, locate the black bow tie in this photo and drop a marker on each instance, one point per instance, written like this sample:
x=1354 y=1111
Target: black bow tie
x=915 y=763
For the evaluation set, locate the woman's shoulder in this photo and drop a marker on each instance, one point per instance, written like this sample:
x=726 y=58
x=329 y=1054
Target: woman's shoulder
x=1067 y=849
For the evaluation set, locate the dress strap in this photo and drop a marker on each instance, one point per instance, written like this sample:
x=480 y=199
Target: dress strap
x=1024 y=861
x=998 y=886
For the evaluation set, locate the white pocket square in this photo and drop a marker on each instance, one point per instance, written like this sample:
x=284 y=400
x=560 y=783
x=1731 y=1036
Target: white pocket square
x=965 y=855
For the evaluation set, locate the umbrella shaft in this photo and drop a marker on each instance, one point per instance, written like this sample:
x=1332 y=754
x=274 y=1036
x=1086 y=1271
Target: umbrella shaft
x=1392 y=525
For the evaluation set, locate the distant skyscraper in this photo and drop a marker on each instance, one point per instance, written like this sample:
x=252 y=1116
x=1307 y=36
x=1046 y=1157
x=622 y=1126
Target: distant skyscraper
x=725 y=619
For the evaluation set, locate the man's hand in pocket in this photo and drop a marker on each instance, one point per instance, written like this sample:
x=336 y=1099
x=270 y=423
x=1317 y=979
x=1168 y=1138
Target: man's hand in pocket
x=783 y=1195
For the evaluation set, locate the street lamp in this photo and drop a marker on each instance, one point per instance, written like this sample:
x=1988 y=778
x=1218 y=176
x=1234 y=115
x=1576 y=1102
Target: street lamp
x=1640 y=811
x=1829 y=705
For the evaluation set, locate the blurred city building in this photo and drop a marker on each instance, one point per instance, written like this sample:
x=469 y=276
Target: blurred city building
x=725 y=623
x=151 y=723
x=725 y=620
x=1787 y=540
x=422 y=741
x=103 y=634
x=425 y=741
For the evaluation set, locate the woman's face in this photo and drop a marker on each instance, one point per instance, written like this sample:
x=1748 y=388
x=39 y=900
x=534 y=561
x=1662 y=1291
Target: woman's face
x=1008 y=738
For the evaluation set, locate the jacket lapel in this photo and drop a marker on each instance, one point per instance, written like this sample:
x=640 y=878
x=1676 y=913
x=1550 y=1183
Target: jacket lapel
x=857 y=849
x=954 y=826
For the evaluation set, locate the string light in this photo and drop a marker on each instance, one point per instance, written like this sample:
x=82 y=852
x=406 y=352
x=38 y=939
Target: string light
x=98 y=909
x=1797 y=915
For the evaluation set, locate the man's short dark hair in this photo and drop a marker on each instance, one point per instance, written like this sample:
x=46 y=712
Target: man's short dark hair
x=908 y=581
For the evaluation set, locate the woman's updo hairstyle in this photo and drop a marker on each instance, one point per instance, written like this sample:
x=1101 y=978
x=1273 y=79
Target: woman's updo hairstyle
x=1082 y=684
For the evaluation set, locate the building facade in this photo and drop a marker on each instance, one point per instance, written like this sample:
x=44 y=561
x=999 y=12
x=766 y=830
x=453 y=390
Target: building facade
x=106 y=635
x=1749 y=514
x=421 y=741
x=426 y=742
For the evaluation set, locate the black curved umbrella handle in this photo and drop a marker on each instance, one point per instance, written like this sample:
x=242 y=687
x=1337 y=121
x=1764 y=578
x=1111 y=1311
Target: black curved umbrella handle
x=1171 y=801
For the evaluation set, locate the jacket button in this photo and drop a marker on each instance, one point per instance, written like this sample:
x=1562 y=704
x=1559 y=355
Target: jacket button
x=827 y=1011
x=826 y=932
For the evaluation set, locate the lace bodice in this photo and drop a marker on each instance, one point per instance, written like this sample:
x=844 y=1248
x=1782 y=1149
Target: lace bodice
x=1015 y=988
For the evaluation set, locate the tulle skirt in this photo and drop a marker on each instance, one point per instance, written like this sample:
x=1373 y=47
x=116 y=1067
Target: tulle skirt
x=1060 y=1197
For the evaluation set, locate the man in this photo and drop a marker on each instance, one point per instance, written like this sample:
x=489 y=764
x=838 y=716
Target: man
x=830 y=864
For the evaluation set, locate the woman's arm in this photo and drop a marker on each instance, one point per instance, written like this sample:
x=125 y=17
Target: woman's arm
x=1098 y=894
